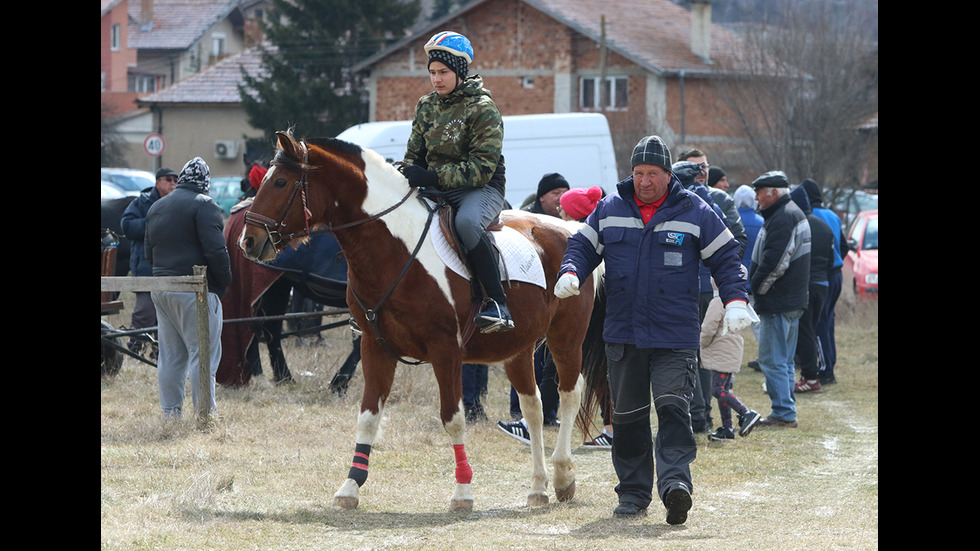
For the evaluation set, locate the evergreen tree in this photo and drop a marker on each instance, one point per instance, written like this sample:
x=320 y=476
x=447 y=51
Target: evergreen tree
x=307 y=83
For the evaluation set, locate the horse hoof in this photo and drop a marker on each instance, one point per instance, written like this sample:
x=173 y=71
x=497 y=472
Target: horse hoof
x=461 y=506
x=565 y=494
x=537 y=499
x=345 y=502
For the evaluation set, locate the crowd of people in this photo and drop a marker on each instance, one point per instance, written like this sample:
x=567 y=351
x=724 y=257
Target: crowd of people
x=688 y=267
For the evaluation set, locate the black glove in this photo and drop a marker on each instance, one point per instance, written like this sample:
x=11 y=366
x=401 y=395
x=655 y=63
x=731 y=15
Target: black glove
x=420 y=177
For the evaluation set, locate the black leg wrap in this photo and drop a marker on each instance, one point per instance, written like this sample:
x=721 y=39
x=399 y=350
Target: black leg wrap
x=359 y=467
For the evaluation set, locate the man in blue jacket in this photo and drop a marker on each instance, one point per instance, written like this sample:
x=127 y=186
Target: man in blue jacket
x=653 y=235
x=133 y=224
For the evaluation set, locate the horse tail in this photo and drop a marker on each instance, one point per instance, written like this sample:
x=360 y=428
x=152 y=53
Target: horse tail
x=595 y=396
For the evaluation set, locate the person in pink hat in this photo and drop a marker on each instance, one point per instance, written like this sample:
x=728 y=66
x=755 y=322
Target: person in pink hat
x=578 y=203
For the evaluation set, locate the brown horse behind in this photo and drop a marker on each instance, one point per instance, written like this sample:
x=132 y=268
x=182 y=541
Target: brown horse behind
x=412 y=308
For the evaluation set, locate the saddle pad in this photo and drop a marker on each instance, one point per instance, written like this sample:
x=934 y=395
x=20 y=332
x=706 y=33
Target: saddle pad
x=518 y=259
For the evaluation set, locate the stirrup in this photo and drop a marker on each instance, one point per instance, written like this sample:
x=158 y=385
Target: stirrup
x=494 y=319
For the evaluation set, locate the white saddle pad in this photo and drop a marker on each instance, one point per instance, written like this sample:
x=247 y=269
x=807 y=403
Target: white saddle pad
x=518 y=259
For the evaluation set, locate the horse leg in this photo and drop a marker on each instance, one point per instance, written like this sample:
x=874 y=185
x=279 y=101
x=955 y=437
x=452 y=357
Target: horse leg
x=338 y=385
x=520 y=371
x=561 y=459
x=379 y=372
x=449 y=375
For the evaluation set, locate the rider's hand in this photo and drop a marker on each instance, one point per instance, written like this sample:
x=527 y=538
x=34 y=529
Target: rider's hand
x=567 y=285
x=420 y=177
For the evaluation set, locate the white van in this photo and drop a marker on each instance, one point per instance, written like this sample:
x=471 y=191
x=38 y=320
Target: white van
x=576 y=145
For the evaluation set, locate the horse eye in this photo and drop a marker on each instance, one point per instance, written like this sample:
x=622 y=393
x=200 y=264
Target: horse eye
x=280 y=182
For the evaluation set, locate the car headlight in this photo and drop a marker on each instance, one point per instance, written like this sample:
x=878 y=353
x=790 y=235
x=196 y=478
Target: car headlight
x=871 y=279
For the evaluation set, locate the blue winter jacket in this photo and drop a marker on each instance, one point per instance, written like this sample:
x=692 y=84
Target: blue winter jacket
x=651 y=271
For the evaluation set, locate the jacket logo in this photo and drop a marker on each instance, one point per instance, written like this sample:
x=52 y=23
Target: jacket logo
x=454 y=129
x=675 y=238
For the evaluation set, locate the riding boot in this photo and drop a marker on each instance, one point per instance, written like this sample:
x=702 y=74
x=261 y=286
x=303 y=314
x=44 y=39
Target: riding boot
x=494 y=315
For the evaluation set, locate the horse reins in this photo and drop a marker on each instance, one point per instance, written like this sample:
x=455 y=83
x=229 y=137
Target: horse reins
x=272 y=227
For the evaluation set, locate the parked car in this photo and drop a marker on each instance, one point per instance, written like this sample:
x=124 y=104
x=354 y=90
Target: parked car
x=131 y=181
x=849 y=204
x=111 y=191
x=861 y=264
x=225 y=190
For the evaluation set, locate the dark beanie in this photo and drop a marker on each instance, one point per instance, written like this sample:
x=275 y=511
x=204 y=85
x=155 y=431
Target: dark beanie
x=813 y=192
x=455 y=63
x=551 y=181
x=715 y=174
x=774 y=178
x=651 y=150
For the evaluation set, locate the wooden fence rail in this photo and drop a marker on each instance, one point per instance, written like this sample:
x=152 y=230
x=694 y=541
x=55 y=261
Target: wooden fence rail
x=197 y=283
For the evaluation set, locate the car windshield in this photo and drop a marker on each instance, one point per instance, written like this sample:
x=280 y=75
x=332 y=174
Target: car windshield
x=871 y=235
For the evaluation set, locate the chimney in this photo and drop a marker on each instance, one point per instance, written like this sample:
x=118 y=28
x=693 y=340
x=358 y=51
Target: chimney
x=700 y=29
x=146 y=14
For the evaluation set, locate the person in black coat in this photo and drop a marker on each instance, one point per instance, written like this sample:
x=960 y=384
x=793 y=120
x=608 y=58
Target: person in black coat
x=821 y=262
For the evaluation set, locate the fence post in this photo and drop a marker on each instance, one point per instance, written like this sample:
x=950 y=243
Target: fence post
x=204 y=413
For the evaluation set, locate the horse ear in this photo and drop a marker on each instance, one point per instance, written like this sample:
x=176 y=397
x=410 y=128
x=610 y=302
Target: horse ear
x=287 y=144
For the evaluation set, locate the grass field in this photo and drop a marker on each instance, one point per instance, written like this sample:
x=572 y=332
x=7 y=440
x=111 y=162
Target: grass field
x=264 y=477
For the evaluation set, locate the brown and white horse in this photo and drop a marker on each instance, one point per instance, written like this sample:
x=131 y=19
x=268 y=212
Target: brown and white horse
x=413 y=308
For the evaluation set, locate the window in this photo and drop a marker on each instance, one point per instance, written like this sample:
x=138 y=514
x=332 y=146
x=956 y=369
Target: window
x=217 y=46
x=615 y=88
x=115 y=37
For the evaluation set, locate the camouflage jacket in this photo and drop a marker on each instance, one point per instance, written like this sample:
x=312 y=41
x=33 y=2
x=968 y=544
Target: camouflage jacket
x=460 y=136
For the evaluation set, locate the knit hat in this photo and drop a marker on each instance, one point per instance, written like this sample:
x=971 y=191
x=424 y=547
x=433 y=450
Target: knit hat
x=551 y=181
x=580 y=202
x=651 y=150
x=256 y=175
x=456 y=64
x=715 y=174
x=197 y=174
x=774 y=178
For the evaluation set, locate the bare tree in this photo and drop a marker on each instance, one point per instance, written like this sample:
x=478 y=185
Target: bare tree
x=808 y=81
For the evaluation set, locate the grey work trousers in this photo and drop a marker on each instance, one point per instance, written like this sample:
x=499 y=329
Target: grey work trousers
x=634 y=374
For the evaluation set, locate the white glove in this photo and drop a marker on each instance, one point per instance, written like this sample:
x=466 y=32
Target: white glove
x=738 y=315
x=567 y=285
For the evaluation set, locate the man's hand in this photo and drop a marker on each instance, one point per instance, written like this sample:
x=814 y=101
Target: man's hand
x=567 y=285
x=738 y=316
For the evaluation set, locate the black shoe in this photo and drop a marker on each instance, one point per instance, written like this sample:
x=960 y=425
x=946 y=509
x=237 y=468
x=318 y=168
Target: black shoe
x=754 y=364
x=722 y=435
x=747 y=422
x=828 y=380
x=494 y=318
x=678 y=502
x=629 y=510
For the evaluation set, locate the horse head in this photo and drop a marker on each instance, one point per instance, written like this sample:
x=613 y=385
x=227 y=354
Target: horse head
x=287 y=209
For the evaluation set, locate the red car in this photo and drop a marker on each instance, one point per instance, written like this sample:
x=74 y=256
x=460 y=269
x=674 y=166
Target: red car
x=861 y=264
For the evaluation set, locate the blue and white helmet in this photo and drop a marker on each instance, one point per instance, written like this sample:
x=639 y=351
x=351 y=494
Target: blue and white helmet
x=452 y=42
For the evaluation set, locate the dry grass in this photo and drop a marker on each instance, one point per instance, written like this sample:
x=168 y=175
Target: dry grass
x=264 y=478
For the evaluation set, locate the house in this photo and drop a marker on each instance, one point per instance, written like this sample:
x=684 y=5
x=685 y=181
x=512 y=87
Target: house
x=653 y=61
x=150 y=46
x=202 y=116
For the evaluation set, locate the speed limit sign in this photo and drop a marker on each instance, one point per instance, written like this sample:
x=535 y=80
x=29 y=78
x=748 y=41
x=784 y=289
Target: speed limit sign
x=154 y=145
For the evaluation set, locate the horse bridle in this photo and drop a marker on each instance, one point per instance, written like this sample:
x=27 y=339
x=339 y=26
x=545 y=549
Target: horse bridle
x=300 y=188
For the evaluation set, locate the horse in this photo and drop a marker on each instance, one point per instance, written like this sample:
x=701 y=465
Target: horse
x=316 y=272
x=413 y=308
